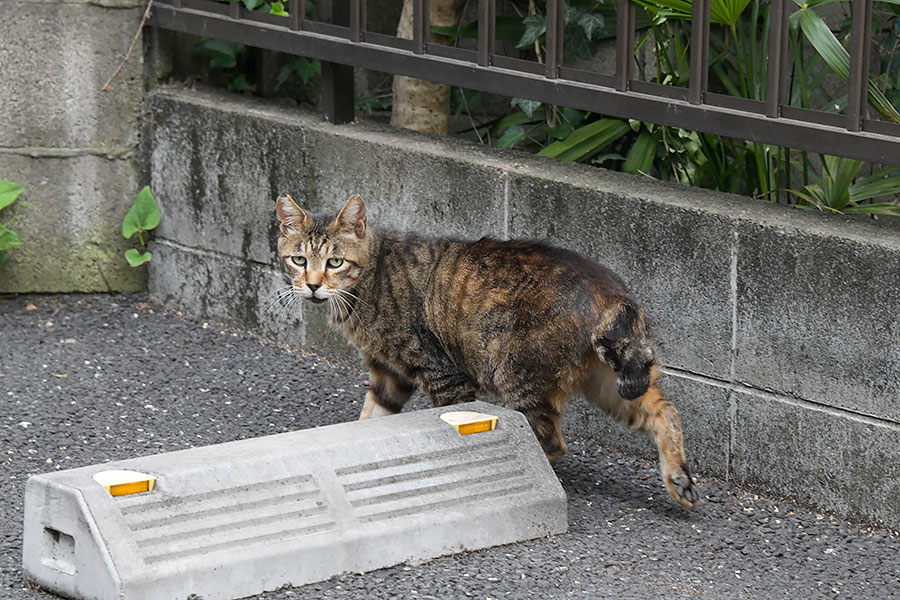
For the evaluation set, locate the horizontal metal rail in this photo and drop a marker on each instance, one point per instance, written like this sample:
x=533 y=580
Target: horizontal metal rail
x=852 y=135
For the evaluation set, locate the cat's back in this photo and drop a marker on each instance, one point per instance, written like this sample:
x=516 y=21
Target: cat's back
x=522 y=283
x=498 y=268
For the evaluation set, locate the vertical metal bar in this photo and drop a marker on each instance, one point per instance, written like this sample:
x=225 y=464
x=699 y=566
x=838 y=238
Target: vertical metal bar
x=355 y=21
x=776 y=65
x=699 y=51
x=860 y=32
x=235 y=10
x=419 y=26
x=485 y=31
x=296 y=13
x=177 y=4
x=336 y=95
x=624 y=44
x=555 y=25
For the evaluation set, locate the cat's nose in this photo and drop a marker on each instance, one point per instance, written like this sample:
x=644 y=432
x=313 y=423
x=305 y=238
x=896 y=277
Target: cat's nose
x=313 y=287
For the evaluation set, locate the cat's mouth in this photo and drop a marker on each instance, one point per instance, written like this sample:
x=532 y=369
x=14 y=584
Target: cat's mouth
x=316 y=300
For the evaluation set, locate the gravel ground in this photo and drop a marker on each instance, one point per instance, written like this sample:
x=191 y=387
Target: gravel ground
x=89 y=379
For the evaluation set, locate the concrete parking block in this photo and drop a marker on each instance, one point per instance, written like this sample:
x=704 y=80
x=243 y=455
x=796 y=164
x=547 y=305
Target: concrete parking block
x=236 y=519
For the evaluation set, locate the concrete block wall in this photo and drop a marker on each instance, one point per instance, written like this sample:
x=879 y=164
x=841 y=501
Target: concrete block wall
x=778 y=328
x=72 y=146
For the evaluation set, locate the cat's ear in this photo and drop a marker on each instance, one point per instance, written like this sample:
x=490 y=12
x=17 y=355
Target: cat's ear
x=291 y=216
x=352 y=218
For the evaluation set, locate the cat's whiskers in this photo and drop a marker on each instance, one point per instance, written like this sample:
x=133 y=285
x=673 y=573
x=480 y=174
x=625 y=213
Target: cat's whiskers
x=344 y=305
x=352 y=295
x=282 y=300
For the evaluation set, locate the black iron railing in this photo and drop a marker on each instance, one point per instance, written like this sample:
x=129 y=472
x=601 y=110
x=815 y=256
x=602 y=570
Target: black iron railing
x=340 y=40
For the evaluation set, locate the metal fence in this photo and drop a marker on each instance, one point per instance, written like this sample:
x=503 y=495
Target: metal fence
x=340 y=40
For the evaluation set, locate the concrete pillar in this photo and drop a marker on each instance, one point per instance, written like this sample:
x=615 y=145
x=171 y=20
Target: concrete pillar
x=72 y=146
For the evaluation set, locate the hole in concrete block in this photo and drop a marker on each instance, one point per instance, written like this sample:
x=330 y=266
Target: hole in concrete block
x=58 y=551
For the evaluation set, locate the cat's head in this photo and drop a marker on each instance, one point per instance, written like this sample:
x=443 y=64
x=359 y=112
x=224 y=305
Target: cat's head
x=323 y=255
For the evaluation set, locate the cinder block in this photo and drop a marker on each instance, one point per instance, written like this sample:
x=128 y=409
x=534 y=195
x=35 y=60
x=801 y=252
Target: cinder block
x=702 y=408
x=818 y=456
x=817 y=313
x=54 y=61
x=72 y=233
x=237 y=519
x=676 y=258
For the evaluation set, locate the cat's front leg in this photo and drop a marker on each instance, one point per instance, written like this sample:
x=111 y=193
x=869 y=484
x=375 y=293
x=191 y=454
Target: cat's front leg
x=388 y=391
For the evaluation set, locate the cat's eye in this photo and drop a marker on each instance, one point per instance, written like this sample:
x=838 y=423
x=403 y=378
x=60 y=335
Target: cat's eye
x=334 y=263
x=300 y=261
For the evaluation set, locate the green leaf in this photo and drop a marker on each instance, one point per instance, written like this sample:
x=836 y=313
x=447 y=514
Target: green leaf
x=591 y=24
x=9 y=191
x=463 y=98
x=240 y=84
x=511 y=136
x=726 y=12
x=577 y=45
x=606 y=157
x=143 y=215
x=372 y=103
x=135 y=258
x=277 y=8
x=528 y=106
x=516 y=118
x=876 y=185
x=223 y=55
x=587 y=140
x=535 y=27
x=304 y=68
x=882 y=208
x=8 y=239
x=640 y=157
x=836 y=56
x=562 y=130
x=572 y=115
x=252 y=4
x=722 y=12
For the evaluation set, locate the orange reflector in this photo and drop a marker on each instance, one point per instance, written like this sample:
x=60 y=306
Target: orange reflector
x=123 y=483
x=467 y=422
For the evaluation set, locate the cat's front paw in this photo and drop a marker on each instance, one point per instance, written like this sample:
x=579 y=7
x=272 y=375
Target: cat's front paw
x=682 y=487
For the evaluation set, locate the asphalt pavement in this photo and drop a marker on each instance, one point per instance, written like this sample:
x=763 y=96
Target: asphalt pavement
x=96 y=378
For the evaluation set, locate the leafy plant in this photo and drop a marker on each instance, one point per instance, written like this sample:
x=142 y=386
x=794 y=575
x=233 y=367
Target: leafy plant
x=738 y=56
x=143 y=216
x=236 y=60
x=9 y=191
x=303 y=68
x=840 y=189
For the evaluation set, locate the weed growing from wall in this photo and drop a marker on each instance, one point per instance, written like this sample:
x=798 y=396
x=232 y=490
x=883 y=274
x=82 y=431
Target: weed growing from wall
x=9 y=191
x=142 y=217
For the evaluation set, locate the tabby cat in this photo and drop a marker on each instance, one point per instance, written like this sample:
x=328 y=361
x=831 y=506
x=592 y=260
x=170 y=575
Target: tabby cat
x=528 y=322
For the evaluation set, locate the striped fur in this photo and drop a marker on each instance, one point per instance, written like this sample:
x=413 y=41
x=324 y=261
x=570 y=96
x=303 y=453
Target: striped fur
x=528 y=322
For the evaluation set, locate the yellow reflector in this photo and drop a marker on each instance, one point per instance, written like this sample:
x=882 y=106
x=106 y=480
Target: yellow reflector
x=467 y=422
x=122 y=483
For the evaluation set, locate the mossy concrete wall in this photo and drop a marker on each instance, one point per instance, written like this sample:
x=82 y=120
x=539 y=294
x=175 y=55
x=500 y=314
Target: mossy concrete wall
x=72 y=146
x=779 y=329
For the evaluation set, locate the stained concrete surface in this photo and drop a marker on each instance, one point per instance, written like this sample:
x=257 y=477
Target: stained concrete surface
x=86 y=379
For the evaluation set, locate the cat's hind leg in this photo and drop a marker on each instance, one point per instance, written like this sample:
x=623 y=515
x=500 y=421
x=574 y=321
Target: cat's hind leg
x=544 y=422
x=653 y=413
x=388 y=391
x=542 y=403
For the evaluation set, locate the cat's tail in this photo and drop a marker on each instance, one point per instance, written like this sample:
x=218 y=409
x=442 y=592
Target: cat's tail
x=622 y=342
